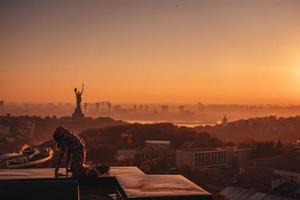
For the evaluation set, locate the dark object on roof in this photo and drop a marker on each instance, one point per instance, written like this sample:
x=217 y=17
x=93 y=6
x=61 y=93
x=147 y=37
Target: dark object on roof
x=54 y=189
x=103 y=169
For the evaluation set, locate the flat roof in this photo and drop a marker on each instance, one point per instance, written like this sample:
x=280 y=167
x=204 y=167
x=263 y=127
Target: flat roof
x=116 y=171
x=214 y=149
x=158 y=141
x=42 y=173
x=134 y=183
x=136 y=186
x=203 y=149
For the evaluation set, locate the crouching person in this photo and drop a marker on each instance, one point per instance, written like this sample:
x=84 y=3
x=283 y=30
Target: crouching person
x=74 y=148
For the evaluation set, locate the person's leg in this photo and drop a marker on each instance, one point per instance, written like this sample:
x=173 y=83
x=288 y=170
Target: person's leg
x=77 y=164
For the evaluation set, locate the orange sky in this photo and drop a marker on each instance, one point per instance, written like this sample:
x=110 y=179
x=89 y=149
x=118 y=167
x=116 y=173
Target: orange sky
x=151 y=51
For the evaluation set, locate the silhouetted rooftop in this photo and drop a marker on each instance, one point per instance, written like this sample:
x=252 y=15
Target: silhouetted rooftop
x=124 y=183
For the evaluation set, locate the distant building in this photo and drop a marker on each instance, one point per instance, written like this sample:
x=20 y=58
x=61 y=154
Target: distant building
x=4 y=130
x=187 y=145
x=85 y=108
x=181 y=109
x=103 y=106
x=212 y=157
x=146 y=107
x=141 y=107
x=164 y=108
x=296 y=147
x=117 y=108
x=156 y=154
x=288 y=175
x=225 y=121
x=1 y=103
x=234 y=193
x=108 y=106
x=158 y=150
x=242 y=154
x=134 y=107
x=126 y=153
x=26 y=129
x=97 y=107
x=157 y=144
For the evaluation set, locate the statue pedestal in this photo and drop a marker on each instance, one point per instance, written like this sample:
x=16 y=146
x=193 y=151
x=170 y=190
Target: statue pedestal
x=77 y=114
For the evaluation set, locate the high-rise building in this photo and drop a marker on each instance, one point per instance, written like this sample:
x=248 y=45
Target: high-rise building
x=164 y=108
x=109 y=106
x=85 y=108
x=97 y=107
x=181 y=108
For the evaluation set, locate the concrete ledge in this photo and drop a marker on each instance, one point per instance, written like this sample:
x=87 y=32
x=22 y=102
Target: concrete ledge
x=36 y=189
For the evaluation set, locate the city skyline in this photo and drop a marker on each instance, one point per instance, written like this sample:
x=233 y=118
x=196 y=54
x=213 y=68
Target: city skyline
x=225 y=52
x=143 y=99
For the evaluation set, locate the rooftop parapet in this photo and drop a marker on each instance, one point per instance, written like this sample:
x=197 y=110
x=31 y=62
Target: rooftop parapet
x=123 y=183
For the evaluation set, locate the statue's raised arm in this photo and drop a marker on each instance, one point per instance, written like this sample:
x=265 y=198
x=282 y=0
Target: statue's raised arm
x=82 y=88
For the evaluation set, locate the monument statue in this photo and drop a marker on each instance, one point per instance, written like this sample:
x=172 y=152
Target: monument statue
x=77 y=114
x=78 y=96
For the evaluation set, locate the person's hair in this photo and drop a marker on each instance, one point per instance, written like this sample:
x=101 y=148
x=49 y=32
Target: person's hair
x=59 y=133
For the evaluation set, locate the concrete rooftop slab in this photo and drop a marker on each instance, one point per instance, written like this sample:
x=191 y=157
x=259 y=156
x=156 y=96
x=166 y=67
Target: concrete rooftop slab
x=131 y=182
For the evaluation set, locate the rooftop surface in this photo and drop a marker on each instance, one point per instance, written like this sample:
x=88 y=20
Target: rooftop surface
x=48 y=173
x=132 y=182
x=157 y=142
x=212 y=149
x=158 y=186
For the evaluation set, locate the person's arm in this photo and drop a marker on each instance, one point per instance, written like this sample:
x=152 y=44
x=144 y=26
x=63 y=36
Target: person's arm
x=60 y=157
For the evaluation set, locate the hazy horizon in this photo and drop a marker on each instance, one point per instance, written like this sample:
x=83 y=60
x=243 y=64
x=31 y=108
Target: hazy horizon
x=154 y=103
x=216 y=52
